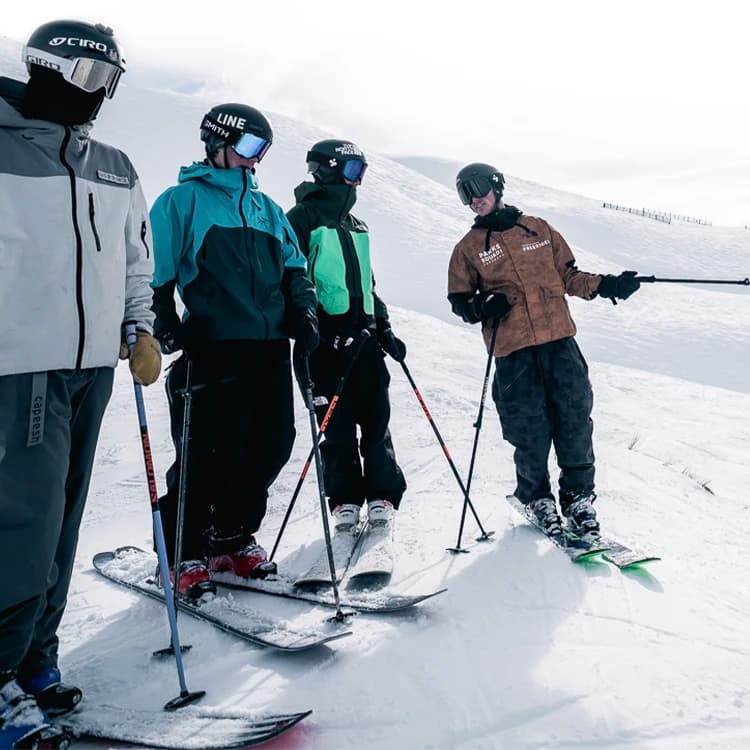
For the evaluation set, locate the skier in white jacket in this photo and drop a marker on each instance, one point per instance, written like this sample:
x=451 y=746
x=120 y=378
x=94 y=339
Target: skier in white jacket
x=75 y=266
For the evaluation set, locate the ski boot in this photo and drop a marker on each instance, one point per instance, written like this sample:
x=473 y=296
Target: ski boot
x=580 y=514
x=51 y=694
x=543 y=511
x=194 y=580
x=346 y=518
x=249 y=562
x=379 y=512
x=23 y=725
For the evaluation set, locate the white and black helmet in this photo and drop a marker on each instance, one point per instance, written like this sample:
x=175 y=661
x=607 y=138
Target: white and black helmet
x=86 y=55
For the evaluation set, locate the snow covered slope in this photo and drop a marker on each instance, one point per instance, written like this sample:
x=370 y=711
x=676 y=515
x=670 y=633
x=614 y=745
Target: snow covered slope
x=525 y=650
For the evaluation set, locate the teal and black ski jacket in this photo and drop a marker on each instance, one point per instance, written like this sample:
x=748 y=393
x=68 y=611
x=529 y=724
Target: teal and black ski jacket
x=337 y=247
x=232 y=255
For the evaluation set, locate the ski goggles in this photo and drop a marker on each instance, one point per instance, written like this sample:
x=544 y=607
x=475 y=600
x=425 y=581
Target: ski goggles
x=250 y=146
x=354 y=170
x=476 y=187
x=83 y=72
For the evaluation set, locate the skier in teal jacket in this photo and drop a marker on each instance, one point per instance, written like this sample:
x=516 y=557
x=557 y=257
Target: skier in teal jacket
x=231 y=254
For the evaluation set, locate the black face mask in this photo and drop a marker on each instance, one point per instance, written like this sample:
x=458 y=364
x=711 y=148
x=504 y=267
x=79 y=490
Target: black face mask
x=49 y=97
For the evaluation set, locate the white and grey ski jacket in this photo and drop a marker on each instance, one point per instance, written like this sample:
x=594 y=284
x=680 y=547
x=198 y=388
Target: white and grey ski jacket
x=75 y=259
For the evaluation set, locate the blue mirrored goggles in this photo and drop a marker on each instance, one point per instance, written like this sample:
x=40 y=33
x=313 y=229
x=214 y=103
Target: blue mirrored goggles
x=250 y=146
x=354 y=170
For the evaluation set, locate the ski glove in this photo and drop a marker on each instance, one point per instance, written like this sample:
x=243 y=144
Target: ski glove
x=467 y=306
x=189 y=336
x=391 y=345
x=145 y=359
x=495 y=306
x=305 y=331
x=480 y=306
x=618 y=287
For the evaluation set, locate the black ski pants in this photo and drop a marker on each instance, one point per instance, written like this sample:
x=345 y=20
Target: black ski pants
x=364 y=403
x=543 y=396
x=241 y=435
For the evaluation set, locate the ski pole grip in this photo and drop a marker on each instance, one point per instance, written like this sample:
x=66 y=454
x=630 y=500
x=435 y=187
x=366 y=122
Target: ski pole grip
x=646 y=279
x=130 y=335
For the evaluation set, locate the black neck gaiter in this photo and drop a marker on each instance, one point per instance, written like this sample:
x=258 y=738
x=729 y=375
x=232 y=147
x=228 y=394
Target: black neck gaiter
x=500 y=220
x=49 y=97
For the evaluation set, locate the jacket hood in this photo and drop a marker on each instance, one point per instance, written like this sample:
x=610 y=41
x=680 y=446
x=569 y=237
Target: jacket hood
x=228 y=180
x=336 y=200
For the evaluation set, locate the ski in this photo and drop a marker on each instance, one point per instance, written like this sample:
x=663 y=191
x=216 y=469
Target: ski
x=625 y=557
x=576 y=548
x=372 y=565
x=187 y=729
x=133 y=568
x=343 y=546
x=372 y=602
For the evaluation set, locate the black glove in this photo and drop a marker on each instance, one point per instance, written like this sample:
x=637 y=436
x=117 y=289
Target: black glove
x=391 y=345
x=495 y=305
x=467 y=306
x=191 y=335
x=618 y=287
x=305 y=331
x=342 y=343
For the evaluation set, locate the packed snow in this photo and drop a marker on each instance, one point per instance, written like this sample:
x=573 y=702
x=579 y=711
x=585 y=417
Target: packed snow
x=525 y=650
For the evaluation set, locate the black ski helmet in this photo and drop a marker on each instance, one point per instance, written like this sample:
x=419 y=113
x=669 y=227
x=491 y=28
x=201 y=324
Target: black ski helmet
x=226 y=124
x=333 y=161
x=476 y=180
x=86 y=55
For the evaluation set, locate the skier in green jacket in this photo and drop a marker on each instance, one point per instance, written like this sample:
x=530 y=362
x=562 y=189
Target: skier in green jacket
x=337 y=248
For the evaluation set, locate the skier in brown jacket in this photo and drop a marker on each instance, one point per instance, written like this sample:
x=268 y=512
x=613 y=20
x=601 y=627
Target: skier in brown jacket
x=514 y=271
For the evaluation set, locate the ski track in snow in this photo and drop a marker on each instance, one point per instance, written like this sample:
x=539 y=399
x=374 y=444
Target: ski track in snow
x=526 y=650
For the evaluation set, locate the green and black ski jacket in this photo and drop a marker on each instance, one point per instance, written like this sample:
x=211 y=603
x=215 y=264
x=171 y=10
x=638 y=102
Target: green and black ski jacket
x=337 y=247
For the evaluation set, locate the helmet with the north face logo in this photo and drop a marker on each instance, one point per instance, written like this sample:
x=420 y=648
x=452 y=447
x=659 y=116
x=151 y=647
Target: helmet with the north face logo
x=476 y=180
x=333 y=161
x=86 y=55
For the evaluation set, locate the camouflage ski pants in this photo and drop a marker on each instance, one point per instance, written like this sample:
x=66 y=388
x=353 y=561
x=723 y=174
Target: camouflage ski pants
x=544 y=398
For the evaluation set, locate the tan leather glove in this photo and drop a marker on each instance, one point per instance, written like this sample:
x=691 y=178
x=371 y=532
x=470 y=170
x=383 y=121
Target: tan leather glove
x=145 y=360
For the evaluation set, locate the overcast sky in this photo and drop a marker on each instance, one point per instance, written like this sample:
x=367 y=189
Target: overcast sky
x=642 y=103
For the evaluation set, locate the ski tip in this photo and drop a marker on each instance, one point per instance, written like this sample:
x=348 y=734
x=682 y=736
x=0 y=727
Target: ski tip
x=635 y=564
x=101 y=558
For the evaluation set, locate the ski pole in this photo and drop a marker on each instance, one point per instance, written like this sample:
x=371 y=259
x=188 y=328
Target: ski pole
x=655 y=280
x=185 y=697
x=356 y=349
x=187 y=407
x=485 y=535
x=478 y=427
x=305 y=383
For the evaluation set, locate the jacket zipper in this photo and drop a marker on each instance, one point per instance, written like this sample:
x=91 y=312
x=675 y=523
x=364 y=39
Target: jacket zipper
x=351 y=265
x=312 y=264
x=144 y=232
x=249 y=258
x=93 y=223
x=79 y=250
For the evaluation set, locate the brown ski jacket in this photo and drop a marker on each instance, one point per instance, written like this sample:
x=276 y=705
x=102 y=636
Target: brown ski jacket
x=534 y=267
